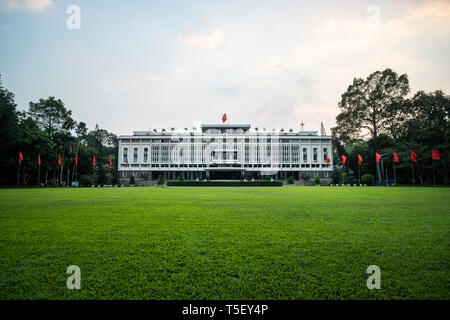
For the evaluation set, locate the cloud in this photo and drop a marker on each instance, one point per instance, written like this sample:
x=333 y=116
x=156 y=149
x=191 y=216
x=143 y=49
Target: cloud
x=205 y=42
x=32 y=5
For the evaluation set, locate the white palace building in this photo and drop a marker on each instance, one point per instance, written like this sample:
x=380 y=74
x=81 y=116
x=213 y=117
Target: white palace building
x=224 y=152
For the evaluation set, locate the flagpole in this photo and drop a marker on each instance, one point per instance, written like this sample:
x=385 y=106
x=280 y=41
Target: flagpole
x=342 y=169
x=359 y=174
x=395 y=174
x=412 y=167
x=18 y=173
x=387 y=178
x=434 y=177
x=39 y=175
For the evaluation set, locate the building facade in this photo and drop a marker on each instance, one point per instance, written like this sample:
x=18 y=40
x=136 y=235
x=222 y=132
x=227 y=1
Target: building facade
x=224 y=152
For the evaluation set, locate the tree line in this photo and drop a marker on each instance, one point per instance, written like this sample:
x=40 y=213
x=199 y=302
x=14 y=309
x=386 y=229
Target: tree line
x=376 y=116
x=47 y=132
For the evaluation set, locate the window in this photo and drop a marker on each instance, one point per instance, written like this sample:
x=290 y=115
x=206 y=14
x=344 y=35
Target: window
x=135 y=155
x=125 y=154
x=295 y=157
x=145 y=154
x=155 y=154
x=315 y=154
x=325 y=153
x=305 y=155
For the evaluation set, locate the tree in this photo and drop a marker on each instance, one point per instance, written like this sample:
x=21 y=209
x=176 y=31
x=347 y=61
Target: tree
x=371 y=107
x=51 y=115
x=8 y=133
x=32 y=141
x=427 y=126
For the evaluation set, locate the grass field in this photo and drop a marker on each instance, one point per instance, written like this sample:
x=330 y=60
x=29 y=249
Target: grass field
x=225 y=243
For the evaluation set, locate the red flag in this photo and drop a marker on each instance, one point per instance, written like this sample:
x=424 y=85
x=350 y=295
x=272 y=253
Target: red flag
x=39 y=159
x=328 y=159
x=413 y=156
x=435 y=154
x=127 y=161
x=360 y=159
x=93 y=161
x=344 y=159
x=378 y=156
x=20 y=157
x=224 y=117
x=396 y=158
x=76 y=161
x=110 y=161
x=59 y=159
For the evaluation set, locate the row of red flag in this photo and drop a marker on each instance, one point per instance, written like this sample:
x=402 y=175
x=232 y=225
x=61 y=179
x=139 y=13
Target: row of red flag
x=60 y=161
x=434 y=156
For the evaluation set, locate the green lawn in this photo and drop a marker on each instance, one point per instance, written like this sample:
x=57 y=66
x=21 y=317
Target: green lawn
x=225 y=243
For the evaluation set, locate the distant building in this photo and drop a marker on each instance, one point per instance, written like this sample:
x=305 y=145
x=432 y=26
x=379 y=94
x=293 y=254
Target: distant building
x=224 y=151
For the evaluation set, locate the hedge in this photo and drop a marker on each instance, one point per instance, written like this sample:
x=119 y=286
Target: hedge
x=224 y=183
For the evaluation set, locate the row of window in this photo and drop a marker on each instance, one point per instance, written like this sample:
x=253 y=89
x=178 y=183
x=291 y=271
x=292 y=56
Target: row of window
x=286 y=153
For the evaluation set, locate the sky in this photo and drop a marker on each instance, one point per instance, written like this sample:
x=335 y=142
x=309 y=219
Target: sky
x=136 y=65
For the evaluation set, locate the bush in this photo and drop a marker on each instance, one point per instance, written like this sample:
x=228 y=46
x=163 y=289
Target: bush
x=180 y=178
x=160 y=180
x=316 y=180
x=267 y=178
x=345 y=178
x=290 y=180
x=132 y=182
x=224 y=184
x=368 y=179
x=336 y=177
x=305 y=177
x=85 y=181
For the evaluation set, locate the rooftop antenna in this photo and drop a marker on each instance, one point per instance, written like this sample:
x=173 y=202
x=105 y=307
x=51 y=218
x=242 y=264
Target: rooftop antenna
x=322 y=129
x=302 y=124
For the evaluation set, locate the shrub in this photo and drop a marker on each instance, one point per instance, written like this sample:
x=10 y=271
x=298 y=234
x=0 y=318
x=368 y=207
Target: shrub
x=224 y=184
x=160 y=180
x=316 y=180
x=180 y=178
x=266 y=178
x=368 y=179
x=290 y=180
x=132 y=182
x=85 y=181
x=305 y=177
x=336 y=176
x=345 y=178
